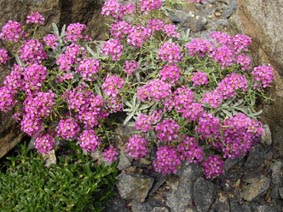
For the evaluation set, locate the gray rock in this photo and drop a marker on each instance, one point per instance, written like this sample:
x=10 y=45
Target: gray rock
x=179 y=198
x=266 y=138
x=236 y=207
x=257 y=186
x=256 y=157
x=281 y=192
x=204 y=194
x=274 y=193
x=160 y=209
x=265 y=208
x=116 y=204
x=221 y=204
x=195 y=24
x=140 y=207
x=276 y=168
x=229 y=163
x=134 y=186
x=124 y=161
x=230 y=9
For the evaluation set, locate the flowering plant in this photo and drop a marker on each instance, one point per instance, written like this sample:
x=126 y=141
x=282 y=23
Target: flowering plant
x=191 y=99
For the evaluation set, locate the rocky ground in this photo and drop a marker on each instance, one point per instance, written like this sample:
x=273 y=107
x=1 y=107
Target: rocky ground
x=251 y=183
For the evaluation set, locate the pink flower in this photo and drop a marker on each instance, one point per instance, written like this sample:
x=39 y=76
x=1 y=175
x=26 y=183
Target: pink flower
x=88 y=140
x=137 y=147
x=113 y=48
x=35 y=18
x=12 y=31
x=167 y=160
x=148 y=5
x=263 y=76
x=170 y=52
x=75 y=32
x=44 y=143
x=4 y=57
x=170 y=73
x=213 y=166
x=111 y=154
x=199 y=78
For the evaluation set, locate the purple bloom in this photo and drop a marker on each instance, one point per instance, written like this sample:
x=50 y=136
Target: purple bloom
x=167 y=160
x=213 y=166
x=137 y=147
x=44 y=143
x=35 y=18
x=170 y=52
x=88 y=140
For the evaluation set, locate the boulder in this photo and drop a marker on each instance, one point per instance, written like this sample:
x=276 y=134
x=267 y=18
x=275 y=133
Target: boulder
x=261 y=20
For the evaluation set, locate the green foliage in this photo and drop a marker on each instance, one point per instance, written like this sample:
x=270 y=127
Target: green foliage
x=74 y=184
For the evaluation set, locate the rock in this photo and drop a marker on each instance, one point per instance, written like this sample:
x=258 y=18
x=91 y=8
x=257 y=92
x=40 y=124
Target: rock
x=134 y=186
x=230 y=9
x=160 y=209
x=195 y=24
x=266 y=138
x=116 y=204
x=236 y=207
x=124 y=161
x=151 y=205
x=265 y=208
x=256 y=157
x=50 y=158
x=256 y=187
x=180 y=195
x=229 y=163
x=281 y=192
x=221 y=204
x=277 y=142
x=277 y=168
x=204 y=194
x=139 y=207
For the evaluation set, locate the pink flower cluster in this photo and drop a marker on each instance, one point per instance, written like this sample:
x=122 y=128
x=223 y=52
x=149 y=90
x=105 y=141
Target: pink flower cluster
x=88 y=69
x=88 y=140
x=137 y=147
x=34 y=76
x=167 y=130
x=120 y=29
x=148 y=5
x=4 y=57
x=208 y=126
x=32 y=51
x=12 y=31
x=35 y=18
x=67 y=129
x=155 y=90
x=75 y=32
x=145 y=123
x=189 y=150
x=170 y=73
x=229 y=86
x=263 y=76
x=72 y=54
x=44 y=143
x=239 y=134
x=199 y=78
x=167 y=160
x=170 y=52
x=199 y=47
x=213 y=166
x=138 y=35
x=51 y=40
x=113 y=48
x=111 y=154
x=116 y=10
x=131 y=66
